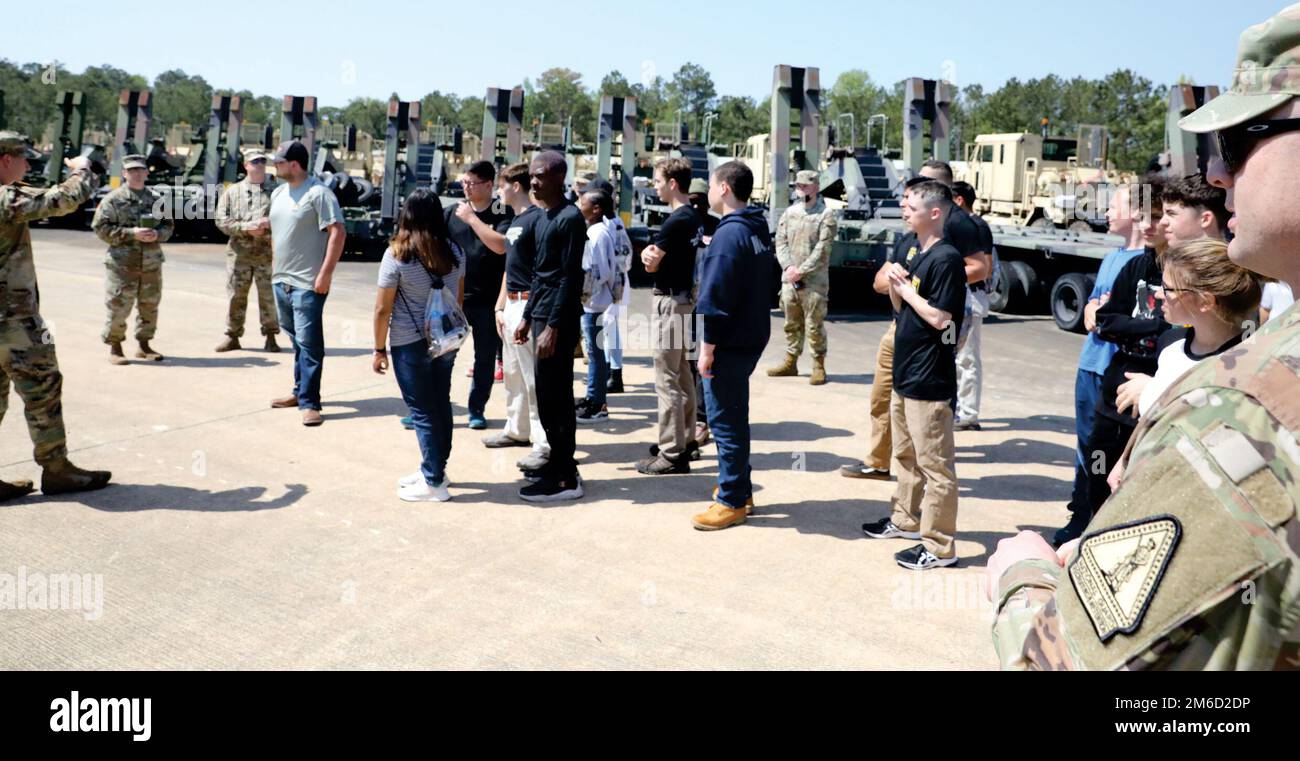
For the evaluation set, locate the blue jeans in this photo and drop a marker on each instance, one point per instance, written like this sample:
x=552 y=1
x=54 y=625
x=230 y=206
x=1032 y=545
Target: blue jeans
x=726 y=396
x=426 y=388
x=1087 y=391
x=301 y=316
x=597 y=362
x=487 y=345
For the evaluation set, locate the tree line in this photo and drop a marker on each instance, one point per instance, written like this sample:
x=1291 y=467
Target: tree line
x=1129 y=105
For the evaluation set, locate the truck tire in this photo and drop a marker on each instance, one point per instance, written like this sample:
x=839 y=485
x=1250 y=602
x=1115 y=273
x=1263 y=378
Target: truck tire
x=1069 y=297
x=1024 y=286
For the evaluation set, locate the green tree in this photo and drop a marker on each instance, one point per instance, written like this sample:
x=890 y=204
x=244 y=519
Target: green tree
x=615 y=85
x=559 y=97
x=854 y=92
x=738 y=119
x=691 y=89
x=178 y=97
x=369 y=114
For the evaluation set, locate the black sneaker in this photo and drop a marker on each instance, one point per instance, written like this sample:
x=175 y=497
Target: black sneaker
x=662 y=466
x=1079 y=520
x=581 y=404
x=548 y=490
x=692 y=451
x=591 y=414
x=615 y=384
x=863 y=470
x=966 y=425
x=885 y=529
x=918 y=558
x=533 y=476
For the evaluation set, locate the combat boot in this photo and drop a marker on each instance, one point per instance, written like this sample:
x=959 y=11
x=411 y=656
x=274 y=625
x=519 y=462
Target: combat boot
x=115 y=355
x=271 y=345
x=62 y=477
x=144 y=352
x=788 y=367
x=230 y=344
x=818 y=377
x=15 y=489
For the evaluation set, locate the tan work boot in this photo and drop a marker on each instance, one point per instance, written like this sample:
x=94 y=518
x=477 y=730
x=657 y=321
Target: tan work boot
x=15 y=489
x=284 y=402
x=144 y=352
x=818 y=377
x=311 y=418
x=62 y=477
x=749 y=503
x=115 y=355
x=788 y=367
x=230 y=344
x=271 y=345
x=718 y=517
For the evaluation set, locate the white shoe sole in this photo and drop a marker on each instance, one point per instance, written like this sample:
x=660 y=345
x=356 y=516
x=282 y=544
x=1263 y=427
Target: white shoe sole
x=940 y=563
x=562 y=496
x=408 y=495
x=894 y=535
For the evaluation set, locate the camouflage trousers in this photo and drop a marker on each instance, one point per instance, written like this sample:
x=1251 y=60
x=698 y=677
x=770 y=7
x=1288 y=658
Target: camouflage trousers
x=27 y=358
x=134 y=279
x=805 y=312
x=242 y=271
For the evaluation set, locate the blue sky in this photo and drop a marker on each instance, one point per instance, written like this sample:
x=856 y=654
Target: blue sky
x=465 y=47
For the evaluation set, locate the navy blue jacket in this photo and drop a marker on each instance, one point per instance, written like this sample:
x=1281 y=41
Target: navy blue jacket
x=736 y=282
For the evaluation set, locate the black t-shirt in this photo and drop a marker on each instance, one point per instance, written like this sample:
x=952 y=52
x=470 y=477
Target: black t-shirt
x=985 y=243
x=905 y=251
x=1133 y=321
x=521 y=249
x=961 y=230
x=676 y=237
x=556 y=297
x=925 y=365
x=483 y=267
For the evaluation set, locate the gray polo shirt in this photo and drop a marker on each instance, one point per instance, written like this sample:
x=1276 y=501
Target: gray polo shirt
x=299 y=217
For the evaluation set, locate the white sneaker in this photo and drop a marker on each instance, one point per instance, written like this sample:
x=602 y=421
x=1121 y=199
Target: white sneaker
x=411 y=480
x=423 y=492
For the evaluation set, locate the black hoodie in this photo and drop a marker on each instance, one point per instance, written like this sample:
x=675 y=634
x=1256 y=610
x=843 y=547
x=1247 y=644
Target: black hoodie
x=736 y=282
x=1131 y=320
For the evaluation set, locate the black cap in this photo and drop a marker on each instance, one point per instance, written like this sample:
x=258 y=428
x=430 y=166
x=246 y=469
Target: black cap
x=292 y=150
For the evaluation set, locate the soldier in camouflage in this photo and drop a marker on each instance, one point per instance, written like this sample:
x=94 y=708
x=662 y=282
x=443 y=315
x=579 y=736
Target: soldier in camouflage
x=127 y=222
x=804 y=237
x=242 y=214
x=1194 y=562
x=26 y=346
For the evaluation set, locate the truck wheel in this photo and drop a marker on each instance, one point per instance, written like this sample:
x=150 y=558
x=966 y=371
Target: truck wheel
x=1024 y=286
x=1042 y=223
x=1000 y=289
x=1069 y=296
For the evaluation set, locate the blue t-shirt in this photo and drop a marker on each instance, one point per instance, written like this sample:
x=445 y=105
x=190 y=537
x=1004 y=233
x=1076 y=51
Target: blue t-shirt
x=414 y=287
x=1097 y=354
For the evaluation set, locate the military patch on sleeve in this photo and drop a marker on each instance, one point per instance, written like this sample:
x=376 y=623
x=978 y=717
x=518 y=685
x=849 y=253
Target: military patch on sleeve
x=1116 y=571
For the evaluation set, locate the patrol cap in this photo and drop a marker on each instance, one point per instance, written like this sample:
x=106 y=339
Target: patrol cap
x=15 y=143
x=807 y=177
x=254 y=155
x=292 y=150
x=134 y=161
x=698 y=185
x=1267 y=75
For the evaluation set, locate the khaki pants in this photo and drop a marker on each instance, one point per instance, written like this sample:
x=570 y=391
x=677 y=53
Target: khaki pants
x=882 y=386
x=519 y=368
x=674 y=383
x=926 y=498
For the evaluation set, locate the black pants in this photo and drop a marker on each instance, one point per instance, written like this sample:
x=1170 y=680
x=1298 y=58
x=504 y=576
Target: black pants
x=487 y=346
x=555 y=400
x=1105 y=446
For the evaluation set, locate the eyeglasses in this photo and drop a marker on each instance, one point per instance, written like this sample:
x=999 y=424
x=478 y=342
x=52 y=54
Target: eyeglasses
x=472 y=183
x=1236 y=143
x=1164 y=289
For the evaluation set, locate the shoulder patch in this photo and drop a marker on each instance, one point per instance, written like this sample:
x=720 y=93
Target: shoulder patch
x=1116 y=571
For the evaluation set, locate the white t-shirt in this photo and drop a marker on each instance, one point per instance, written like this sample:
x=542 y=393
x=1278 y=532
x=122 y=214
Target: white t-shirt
x=1175 y=359
x=1276 y=299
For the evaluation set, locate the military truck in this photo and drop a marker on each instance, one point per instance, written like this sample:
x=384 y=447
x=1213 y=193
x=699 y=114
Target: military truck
x=1047 y=182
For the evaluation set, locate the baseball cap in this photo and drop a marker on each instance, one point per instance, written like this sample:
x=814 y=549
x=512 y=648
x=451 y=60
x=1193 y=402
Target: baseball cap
x=806 y=177
x=14 y=143
x=292 y=150
x=134 y=161
x=698 y=185
x=1267 y=75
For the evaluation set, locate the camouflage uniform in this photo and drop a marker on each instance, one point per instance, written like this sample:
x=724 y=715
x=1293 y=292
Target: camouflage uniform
x=134 y=268
x=1194 y=562
x=26 y=346
x=242 y=208
x=803 y=239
